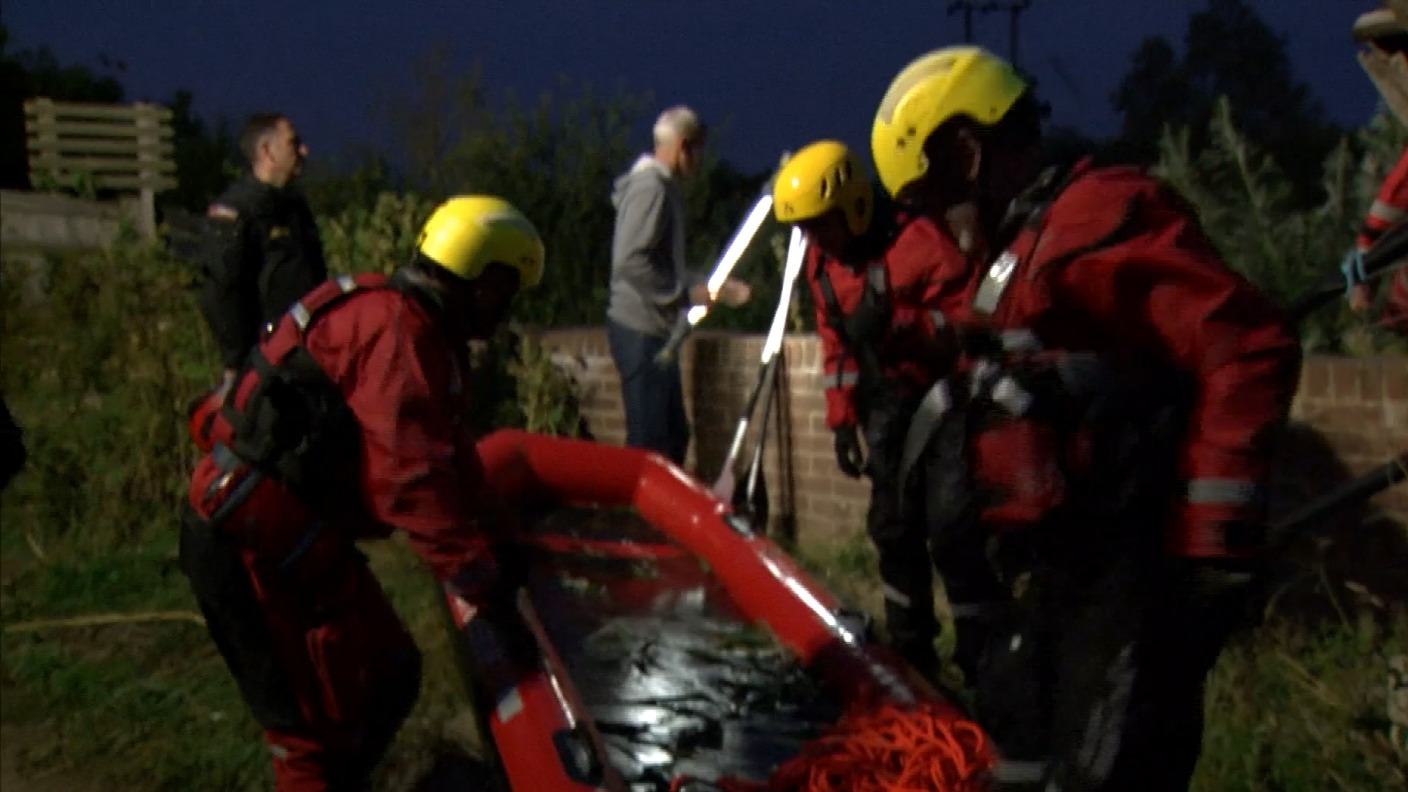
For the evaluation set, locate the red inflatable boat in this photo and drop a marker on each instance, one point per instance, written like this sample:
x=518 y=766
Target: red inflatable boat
x=692 y=548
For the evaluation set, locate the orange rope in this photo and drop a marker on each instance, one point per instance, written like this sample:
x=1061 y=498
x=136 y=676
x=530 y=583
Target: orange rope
x=927 y=747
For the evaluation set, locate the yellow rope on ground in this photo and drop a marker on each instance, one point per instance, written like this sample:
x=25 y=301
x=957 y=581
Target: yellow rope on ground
x=103 y=619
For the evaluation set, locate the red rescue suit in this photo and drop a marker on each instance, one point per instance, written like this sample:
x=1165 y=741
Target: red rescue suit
x=1116 y=265
x=879 y=324
x=921 y=278
x=321 y=657
x=1095 y=678
x=1389 y=208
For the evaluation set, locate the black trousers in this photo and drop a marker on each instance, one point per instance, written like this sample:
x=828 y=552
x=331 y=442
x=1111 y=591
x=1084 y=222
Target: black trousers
x=1095 y=680
x=910 y=550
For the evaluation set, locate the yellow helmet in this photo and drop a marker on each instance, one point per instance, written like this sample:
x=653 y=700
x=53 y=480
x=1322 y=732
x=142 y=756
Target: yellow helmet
x=819 y=178
x=935 y=88
x=467 y=233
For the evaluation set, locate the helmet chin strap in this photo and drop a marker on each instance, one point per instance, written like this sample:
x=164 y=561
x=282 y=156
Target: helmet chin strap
x=450 y=305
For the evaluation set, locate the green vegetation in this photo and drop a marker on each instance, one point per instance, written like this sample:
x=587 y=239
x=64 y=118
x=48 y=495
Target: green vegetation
x=103 y=352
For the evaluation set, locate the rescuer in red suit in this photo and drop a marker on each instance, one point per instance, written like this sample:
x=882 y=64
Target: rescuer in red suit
x=348 y=422
x=1097 y=680
x=883 y=284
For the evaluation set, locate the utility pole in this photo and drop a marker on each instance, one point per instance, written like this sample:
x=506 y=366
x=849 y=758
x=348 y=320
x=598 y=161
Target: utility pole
x=967 y=7
x=1014 y=8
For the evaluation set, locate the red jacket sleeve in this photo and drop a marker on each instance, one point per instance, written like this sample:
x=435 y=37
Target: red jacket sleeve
x=1389 y=207
x=929 y=278
x=420 y=470
x=1161 y=287
x=839 y=370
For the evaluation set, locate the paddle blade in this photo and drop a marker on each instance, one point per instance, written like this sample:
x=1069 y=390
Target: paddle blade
x=725 y=485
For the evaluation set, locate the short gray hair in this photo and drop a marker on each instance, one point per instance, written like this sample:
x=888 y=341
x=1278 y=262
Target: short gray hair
x=676 y=123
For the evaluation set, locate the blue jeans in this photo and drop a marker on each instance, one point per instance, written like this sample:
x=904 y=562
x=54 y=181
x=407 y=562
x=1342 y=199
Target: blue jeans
x=653 y=395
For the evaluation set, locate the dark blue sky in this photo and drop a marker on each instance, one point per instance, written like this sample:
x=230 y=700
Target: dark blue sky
x=775 y=74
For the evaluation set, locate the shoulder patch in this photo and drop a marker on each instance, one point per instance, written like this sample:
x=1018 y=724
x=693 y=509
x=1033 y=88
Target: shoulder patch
x=222 y=212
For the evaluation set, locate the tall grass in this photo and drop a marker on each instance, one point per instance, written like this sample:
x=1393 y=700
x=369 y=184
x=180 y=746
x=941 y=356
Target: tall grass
x=101 y=354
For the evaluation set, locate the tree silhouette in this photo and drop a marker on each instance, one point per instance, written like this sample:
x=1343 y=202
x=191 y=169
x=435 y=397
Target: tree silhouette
x=1228 y=50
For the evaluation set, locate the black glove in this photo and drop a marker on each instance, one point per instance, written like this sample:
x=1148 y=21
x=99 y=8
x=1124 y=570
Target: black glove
x=849 y=457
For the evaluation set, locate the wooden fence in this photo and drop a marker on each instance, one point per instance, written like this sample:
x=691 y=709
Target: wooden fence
x=126 y=148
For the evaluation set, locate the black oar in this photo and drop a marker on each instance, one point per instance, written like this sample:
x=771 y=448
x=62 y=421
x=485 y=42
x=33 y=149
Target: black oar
x=754 y=501
x=1356 y=490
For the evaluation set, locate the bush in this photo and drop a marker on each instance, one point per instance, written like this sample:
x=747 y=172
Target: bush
x=1249 y=208
x=375 y=238
x=100 y=370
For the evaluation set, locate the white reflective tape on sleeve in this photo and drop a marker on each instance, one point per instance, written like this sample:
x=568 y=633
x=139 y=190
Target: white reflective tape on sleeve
x=845 y=379
x=300 y=315
x=938 y=318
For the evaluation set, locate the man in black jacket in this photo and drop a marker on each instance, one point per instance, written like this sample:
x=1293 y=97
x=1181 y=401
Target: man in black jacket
x=263 y=250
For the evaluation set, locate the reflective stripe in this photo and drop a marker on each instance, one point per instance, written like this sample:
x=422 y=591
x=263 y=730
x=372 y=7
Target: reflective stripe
x=300 y=315
x=1011 y=396
x=1011 y=771
x=843 y=380
x=1221 y=491
x=509 y=706
x=937 y=317
x=995 y=282
x=876 y=277
x=1386 y=212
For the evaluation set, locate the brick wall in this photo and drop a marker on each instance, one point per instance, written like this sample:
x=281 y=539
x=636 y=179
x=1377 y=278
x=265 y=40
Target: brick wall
x=1351 y=415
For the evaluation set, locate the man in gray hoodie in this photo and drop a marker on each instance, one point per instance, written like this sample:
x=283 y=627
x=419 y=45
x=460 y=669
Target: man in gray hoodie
x=650 y=284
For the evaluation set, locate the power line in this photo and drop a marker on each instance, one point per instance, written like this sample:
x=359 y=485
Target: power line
x=1014 y=9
